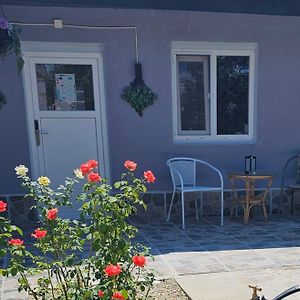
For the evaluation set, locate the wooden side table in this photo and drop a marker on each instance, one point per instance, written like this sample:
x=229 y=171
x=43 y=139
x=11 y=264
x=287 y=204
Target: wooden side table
x=250 y=199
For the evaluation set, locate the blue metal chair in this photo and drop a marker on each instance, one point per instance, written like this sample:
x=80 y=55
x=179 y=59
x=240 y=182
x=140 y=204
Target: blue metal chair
x=291 y=187
x=183 y=174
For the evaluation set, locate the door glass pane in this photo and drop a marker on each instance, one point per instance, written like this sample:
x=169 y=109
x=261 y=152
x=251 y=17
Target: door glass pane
x=232 y=94
x=65 y=87
x=193 y=93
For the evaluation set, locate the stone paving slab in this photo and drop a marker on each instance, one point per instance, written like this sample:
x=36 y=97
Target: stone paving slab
x=9 y=290
x=234 y=284
x=186 y=263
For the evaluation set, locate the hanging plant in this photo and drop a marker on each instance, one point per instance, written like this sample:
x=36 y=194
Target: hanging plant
x=138 y=95
x=9 y=43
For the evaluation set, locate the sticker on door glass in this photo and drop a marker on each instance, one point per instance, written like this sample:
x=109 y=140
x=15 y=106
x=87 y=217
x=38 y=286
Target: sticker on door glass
x=65 y=87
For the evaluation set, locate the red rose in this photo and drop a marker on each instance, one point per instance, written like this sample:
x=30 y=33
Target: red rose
x=85 y=168
x=118 y=295
x=52 y=214
x=148 y=175
x=39 y=234
x=130 y=165
x=112 y=270
x=92 y=163
x=3 y=206
x=100 y=293
x=139 y=260
x=93 y=177
x=16 y=242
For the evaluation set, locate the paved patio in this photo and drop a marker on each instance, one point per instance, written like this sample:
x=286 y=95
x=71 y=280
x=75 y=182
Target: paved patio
x=207 y=253
x=207 y=247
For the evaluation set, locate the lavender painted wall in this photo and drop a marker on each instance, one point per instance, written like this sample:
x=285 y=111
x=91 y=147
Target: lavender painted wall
x=148 y=140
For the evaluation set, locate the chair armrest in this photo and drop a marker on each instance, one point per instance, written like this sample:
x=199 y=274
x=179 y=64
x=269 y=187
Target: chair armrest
x=213 y=168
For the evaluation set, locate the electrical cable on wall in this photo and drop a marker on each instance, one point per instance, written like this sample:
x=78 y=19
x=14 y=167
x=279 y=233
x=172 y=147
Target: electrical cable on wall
x=138 y=95
x=96 y=27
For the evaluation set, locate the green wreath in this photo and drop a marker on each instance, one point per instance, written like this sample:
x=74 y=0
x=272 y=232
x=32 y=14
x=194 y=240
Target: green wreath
x=138 y=96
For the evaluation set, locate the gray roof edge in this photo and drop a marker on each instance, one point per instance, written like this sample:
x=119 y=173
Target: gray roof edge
x=264 y=7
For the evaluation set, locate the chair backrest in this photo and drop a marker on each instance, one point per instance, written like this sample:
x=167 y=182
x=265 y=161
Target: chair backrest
x=183 y=170
x=284 y=170
x=184 y=167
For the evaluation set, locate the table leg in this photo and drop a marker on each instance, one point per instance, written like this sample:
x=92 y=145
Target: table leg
x=265 y=212
x=234 y=197
x=247 y=204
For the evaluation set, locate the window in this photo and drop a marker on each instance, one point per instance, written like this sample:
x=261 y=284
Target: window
x=213 y=91
x=65 y=87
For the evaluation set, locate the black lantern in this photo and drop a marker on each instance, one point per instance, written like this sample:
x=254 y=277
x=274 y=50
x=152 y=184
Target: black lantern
x=250 y=164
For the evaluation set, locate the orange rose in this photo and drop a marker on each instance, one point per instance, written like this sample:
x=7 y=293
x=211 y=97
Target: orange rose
x=88 y=166
x=118 y=295
x=139 y=260
x=52 y=214
x=130 y=165
x=85 y=168
x=39 y=234
x=92 y=163
x=100 y=293
x=148 y=175
x=3 y=206
x=15 y=242
x=113 y=270
x=93 y=177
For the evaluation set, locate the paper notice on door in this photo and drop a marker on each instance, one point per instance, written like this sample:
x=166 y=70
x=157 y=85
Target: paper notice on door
x=65 y=87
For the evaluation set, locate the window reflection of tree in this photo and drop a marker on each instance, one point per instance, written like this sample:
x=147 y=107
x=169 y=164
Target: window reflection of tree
x=232 y=94
x=192 y=96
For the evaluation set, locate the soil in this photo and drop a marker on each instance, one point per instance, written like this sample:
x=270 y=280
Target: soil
x=167 y=290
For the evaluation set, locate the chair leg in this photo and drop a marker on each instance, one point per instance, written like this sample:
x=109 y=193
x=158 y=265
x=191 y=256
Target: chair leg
x=232 y=208
x=182 y=208
x=222 y=208
x=292 y=202
x=171 y=205
x=196 y=206
x=271 y=202
x=201 y=204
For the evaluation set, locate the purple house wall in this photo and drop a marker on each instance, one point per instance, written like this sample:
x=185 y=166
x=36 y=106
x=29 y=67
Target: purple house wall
x=148 y=139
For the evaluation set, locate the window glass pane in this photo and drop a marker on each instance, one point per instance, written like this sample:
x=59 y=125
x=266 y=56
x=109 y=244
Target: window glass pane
x=232 y=94
x=193 y=93
x=65 y=87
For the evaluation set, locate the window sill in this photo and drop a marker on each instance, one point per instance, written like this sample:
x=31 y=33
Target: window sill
x=213 y=140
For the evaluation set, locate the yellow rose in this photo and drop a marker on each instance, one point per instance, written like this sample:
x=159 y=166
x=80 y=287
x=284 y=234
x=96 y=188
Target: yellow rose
x=43 y=180
x=21 y=170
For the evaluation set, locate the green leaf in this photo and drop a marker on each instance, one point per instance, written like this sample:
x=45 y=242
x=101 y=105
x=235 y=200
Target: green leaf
x=124 y=293
x=14 y=271
x=117 y=184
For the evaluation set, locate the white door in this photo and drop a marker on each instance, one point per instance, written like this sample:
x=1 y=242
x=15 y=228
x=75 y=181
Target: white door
x=64 y=117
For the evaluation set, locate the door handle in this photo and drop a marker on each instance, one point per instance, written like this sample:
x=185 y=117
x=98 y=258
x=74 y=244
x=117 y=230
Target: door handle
x=37 y=133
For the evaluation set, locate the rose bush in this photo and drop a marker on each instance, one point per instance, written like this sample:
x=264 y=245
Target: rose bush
x=113 y=267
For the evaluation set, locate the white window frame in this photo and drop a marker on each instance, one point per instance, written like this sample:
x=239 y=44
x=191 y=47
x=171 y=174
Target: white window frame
x=213 y=50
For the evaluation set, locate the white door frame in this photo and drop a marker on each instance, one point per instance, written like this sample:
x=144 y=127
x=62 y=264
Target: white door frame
x=41 y=51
